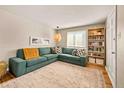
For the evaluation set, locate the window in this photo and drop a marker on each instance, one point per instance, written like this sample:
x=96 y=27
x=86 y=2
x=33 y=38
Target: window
x=76 y=39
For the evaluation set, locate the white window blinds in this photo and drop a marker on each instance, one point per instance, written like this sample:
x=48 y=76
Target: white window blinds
x=76 y=39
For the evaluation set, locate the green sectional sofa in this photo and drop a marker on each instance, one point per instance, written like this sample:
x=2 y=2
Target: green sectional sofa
x=19 y=66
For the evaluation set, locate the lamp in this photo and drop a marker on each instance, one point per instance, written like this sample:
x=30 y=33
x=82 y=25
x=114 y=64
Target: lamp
x=57 y=37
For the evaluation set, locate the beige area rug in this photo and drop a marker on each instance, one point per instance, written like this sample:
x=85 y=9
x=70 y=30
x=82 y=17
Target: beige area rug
x=58 y=75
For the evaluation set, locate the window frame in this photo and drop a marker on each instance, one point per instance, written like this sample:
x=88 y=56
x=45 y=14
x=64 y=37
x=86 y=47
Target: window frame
x=74 y=40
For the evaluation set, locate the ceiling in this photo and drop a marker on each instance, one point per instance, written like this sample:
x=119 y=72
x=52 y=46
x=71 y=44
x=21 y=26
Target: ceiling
x=62 y=15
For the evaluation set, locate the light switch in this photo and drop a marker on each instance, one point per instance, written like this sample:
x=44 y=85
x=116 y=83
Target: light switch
x=119 y=35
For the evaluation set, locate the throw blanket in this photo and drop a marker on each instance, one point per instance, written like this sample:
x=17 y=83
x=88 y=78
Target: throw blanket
x=31 y=53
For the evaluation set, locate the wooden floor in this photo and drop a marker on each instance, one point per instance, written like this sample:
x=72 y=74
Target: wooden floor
x=101 y=68
x=7 y=77
x=103 y=71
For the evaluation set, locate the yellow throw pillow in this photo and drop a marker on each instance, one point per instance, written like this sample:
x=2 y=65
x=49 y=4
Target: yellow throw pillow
x=31 y=53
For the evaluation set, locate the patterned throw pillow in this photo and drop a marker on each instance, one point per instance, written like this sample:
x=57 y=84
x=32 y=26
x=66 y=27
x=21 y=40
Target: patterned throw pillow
x=57 y=50
x=80 y=52
x=74 y=52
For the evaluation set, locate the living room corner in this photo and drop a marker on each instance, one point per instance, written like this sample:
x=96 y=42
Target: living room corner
x=61 y=46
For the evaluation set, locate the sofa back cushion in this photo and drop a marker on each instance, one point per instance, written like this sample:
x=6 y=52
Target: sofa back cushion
x=67 y=50
x=44 y=51
x=20 y=54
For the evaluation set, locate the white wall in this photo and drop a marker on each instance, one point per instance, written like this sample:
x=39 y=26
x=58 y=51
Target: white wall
x=120 y=46
x=64 y=32
x=15 y=31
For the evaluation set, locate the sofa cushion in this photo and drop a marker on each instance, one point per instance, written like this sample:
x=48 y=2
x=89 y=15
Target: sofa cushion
x=36 y=61
x=69 y=57
x=51 y=56
x=44 y=51
x=67 y=50
x=20 y=54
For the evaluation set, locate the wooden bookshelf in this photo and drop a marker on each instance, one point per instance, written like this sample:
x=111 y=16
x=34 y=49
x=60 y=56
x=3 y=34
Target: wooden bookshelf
x=96 y=43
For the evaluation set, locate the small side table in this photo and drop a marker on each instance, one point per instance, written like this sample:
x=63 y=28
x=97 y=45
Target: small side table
x=3 y=68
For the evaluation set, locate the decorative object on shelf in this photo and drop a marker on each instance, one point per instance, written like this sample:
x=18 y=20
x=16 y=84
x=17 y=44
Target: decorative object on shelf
x=99 y=32
x=57 y=37
x=3 y=68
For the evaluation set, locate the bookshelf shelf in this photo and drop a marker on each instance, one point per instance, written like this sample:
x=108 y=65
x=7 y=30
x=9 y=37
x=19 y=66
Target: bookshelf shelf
x=96 y=43
x=94 y=46
x=95 y=52
x=96 y=40
x=96 y=57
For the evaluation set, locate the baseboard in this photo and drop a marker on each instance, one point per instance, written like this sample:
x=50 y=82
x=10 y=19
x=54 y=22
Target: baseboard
x=113 y=84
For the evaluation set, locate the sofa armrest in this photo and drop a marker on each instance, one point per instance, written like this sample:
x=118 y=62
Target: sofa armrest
x=83 y=60
x=17 y=66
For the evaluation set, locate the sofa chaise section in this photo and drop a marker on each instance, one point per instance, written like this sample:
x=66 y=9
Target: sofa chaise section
x=68 y=57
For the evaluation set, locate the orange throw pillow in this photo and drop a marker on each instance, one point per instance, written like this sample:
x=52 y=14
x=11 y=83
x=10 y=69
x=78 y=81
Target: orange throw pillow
x=31 y=53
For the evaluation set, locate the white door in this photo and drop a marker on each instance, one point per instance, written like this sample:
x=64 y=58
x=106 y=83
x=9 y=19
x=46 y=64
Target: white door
x=111 y=49
x=113 y=45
